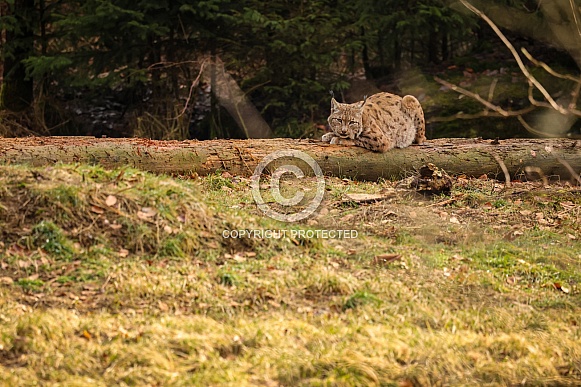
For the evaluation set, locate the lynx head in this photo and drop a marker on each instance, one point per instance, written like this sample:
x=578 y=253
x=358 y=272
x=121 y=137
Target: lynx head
x=345 y=118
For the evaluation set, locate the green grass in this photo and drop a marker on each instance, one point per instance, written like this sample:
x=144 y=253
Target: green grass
x=148 y=292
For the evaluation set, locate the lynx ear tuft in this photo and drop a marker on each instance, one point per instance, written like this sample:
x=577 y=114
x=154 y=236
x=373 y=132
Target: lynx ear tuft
x=332 y=94
x=363 y=102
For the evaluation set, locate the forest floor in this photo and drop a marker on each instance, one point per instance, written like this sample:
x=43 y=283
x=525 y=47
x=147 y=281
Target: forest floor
x=126 y=278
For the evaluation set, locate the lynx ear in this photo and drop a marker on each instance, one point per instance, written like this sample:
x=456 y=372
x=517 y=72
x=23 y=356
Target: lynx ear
x=334 y=104
x=363 y=102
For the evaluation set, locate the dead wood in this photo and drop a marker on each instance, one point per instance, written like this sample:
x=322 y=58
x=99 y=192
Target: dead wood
x=472 y=157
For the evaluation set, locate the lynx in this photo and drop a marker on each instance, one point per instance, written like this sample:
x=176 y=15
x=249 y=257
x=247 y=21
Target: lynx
x=378 y=123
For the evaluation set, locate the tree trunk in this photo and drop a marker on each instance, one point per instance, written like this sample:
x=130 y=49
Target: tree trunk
x=17 y=91
x=472 y=157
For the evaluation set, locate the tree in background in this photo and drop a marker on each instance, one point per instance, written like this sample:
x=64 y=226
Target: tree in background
x=143 y=59
x=17 y=18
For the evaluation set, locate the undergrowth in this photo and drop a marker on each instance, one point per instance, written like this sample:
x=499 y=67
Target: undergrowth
x=123 y=277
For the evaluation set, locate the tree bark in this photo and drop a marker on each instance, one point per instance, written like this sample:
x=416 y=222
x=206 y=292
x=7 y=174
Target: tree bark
x=472 y=157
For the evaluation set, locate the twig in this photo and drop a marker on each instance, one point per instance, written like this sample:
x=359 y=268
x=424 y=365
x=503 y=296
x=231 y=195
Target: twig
x=574 y=174
x=484 y=113
x=504 y=169
x=242 y=158
x=491 y=90
x=519 y=61
x=491 y=106
x=575 y=17
x=535 y=131
x=192 y=87
x=547 y=68
x=575 y=96
x=534 y=102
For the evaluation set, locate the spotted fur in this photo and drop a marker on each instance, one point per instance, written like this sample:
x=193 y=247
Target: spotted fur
x=378 y=123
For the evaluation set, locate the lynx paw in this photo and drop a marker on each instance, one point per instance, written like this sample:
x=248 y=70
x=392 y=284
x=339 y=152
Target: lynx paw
x=342 y=141
x=328 y=137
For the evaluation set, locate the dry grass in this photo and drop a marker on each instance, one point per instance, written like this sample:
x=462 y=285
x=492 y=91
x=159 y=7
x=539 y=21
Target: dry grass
x=482 y=287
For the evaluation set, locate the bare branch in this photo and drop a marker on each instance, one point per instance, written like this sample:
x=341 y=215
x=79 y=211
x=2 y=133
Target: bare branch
x=547 y=68
x=193 y=85
x=575 y=96
x=519 y=61
x=574 y=11
x=489 y=105
x=535 y=131
x=534 y=102
x=484 y=113
x=491 y=90
x=574 y=174
x=504 y=169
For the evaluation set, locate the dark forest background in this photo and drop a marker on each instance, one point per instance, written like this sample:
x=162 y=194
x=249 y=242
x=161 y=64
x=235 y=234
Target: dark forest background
x=148 y=68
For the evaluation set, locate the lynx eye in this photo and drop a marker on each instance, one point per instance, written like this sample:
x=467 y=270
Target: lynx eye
x=339 y=120
x=352 y=122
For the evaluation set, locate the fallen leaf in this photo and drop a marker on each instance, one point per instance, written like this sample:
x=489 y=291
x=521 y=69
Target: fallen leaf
x=561 y=287
x=6 y=281
x=123 y=253
x=454 y=220
x=111 y=201
x=23 y=264
x=239 y=258
x=87 y=335
x=146 y=213
x=97 y=210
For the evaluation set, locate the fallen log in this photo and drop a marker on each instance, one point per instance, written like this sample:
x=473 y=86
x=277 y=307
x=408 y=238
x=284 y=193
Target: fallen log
x=472 y=157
